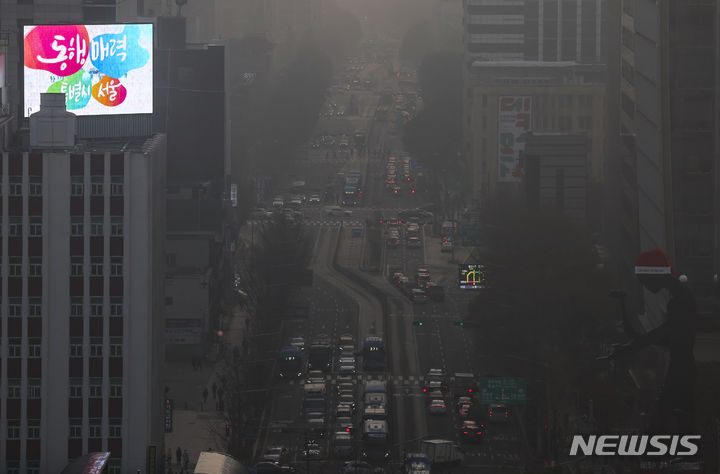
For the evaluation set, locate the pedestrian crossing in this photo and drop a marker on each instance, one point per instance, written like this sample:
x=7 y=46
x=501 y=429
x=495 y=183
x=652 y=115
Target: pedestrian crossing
x=404 y=380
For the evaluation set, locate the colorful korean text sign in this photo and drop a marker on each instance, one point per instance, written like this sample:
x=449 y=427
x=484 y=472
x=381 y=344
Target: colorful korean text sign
x=102 y=69
x=514 y=119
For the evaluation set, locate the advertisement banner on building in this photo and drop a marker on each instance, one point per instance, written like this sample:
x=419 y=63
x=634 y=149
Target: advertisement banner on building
x=183 y=331
x=514 y=119
x=102 y=69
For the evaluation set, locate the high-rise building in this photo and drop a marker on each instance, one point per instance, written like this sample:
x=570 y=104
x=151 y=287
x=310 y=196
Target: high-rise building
x=82 y=297
x=668 y=171
x=527 y=30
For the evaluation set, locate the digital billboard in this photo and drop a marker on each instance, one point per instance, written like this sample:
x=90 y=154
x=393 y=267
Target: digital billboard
x=514 y=119
x=472 y=276
x=102 y=69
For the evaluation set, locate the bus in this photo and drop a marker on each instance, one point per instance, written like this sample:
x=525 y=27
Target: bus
x=290 y=364
x=375 y=440
x=352 y=191
x=319 y=356
x=373 y=353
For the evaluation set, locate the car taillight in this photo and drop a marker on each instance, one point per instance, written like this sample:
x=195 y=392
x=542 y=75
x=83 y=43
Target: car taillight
x=465 y=432
x=469 y=390
x=479 y=432
x=424 y=390
x=347 y=429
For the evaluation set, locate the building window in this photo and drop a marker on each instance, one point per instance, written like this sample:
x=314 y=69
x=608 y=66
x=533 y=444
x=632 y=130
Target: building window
x=34 y=348
x=115 y=388
x=96 y=305
x=586 y=122
x=116 y=226
x=76 y=306
x=15 y=266
x=13 y=429
x=76 y=347
x=116 y=185
x=116 y=266
x=114 y=466
x=96 y=347
x=35 y=266
x=35 y=185
x=33 y=429
x=14 y=347
x=13 y=467
x=115 y=430
x=34 y=307
x=16 y=226
x=116 y=306
x=96 y=225
x=116 y=347
x=96 y=266
x=15 y=185
x=34 y=389
x=96 y=388
x=484 y=122
x=76 y=266
x=76 y=388
x=77 y=186
x=35 y=226
x=170 y=259
x=15 y=306
x=95 y=428
x=97 y=185
x=76 y=226
x=75 y=428
x=13 y=388
x=564 y=123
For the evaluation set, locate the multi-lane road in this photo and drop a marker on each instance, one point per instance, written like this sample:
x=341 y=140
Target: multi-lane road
x=345 y=300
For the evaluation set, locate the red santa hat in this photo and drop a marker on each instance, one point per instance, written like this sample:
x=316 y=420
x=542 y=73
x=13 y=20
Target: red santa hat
x=654 y=262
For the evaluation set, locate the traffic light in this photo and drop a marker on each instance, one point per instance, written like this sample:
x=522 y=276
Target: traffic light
x=227 y=429
x=417 y=323
x=459 y=323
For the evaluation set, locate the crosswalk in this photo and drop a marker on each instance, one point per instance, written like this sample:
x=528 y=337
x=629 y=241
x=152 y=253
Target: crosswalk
x=404 y=380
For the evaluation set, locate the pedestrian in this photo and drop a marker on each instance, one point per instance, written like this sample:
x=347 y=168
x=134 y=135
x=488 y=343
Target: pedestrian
x=186 y=459
x=205 y=395
x=214 y=389
x=178 y=455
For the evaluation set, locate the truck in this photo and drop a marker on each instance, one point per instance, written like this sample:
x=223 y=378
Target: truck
x=441 y=451
x=373 y=353
x=314 y=398
x=290 y=364
x=319 y=355
x=417 y=463
x=463 y=384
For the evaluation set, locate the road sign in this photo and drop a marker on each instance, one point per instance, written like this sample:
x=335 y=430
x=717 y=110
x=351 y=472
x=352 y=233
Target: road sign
x=470 y=235
x=502 y=390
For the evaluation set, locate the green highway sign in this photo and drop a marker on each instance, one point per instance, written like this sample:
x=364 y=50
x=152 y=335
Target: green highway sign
x=470 y=236
x=506 y=390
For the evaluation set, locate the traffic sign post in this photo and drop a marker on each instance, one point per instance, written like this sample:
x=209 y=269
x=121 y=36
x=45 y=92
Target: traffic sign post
x=505 y=390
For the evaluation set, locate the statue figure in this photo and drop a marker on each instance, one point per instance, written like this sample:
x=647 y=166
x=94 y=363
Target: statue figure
x=677 y=333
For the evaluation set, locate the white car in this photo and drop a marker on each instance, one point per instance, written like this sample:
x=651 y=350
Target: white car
x=275 y=454
x=298 y=342
x=314 y=199
x=347 y=365
x=338 y=212
x=437 y=407
x=278 y=202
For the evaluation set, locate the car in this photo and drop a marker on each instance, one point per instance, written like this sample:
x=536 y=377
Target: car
x=498 y=414
x=337 y=212
x=391 y=172
x=347 y=351
x=417 y=295
x=395 y=276
x=347 y=400
x=267 y=467
x=341 y=111
x=422 y=272
x=446 y=246
x=435 y=374
x=344 y=423
x=314 y=198
x=394 y=221
x=357 y=467
x=298 y=342
x=276 y=454
x=437 y=407
x=464 y=411
x=278 y=202
x=392 y=242
x=403 y=284
x=315 y=376
x=347 y=365
x=396 y=189
x=471 y=431
x=413 y=243
x=346 y=387
x=343 y=411
x=464 y=401
x=346 y=340
x=340 y=379
x=261 y=213
x=391 y=159
x=433 y=385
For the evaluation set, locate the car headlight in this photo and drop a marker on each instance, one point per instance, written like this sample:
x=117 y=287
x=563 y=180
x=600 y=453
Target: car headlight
x=387 y=454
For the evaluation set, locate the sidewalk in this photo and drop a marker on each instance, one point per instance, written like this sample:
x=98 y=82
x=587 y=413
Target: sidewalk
x=196 y=426
x=440 y=263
